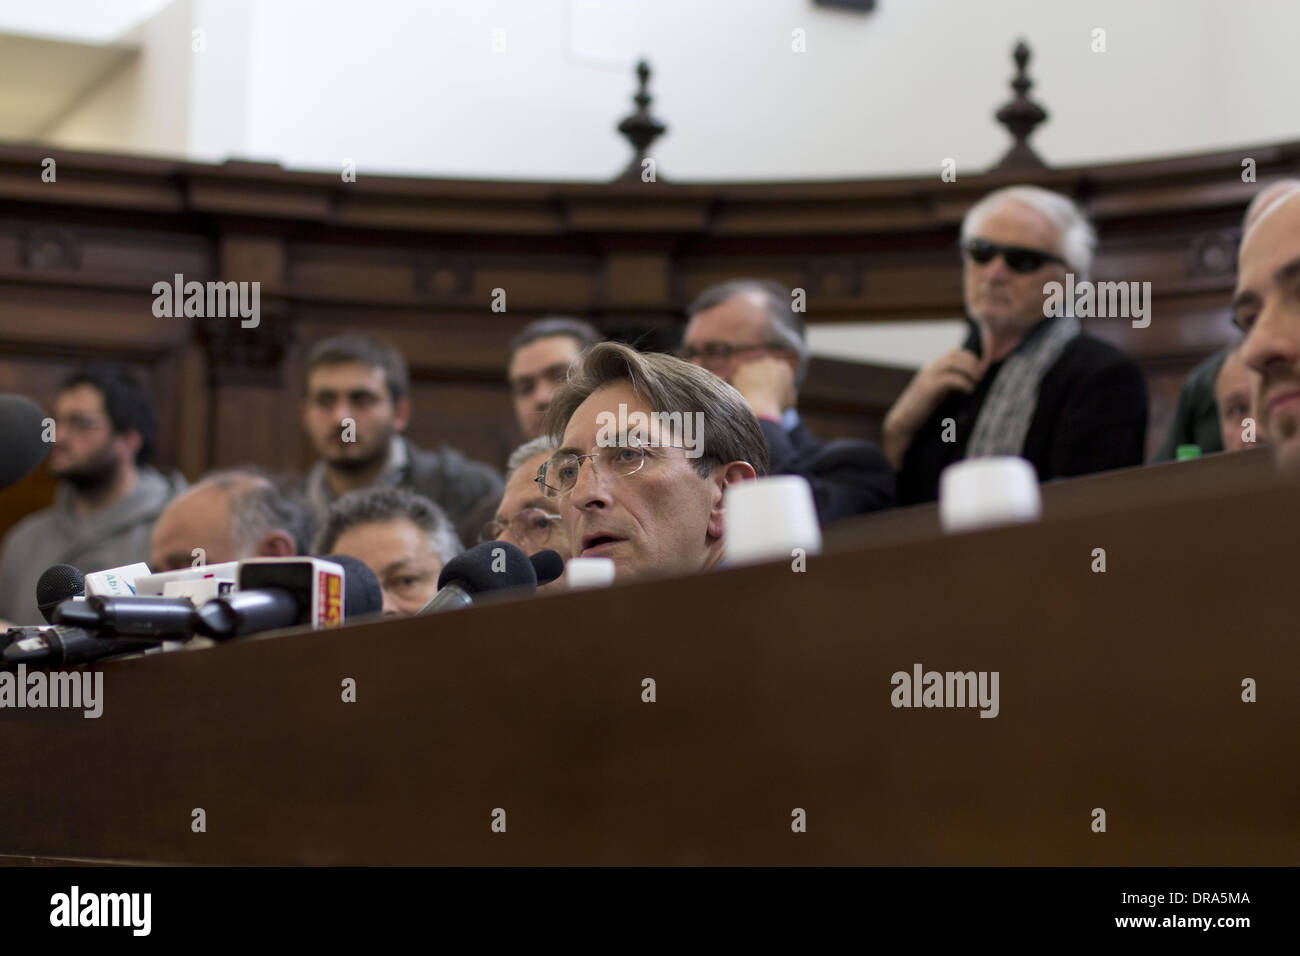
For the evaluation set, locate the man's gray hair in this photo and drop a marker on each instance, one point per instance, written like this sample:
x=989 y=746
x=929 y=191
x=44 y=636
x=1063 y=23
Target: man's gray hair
x=388 y=503
x=784 y=324
x=258 y=507
x=1076 y=239
x=539 y=445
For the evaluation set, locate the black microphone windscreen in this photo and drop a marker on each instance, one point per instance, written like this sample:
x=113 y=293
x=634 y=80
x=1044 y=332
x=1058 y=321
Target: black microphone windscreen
x=361 y=591
x=56 y=585
x=21 y=427
x=548 y=564
x=490 y=566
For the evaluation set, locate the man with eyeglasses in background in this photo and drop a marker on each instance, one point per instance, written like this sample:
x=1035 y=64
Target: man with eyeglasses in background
x=746 y=332
x=108 y=496
x=404 y=538
x=526 y=517
x=1023 y=383
x=651 y=502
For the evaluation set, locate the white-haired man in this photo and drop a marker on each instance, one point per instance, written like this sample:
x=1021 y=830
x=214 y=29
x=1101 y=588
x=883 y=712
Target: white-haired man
x=526 y=517
x=1025 y=382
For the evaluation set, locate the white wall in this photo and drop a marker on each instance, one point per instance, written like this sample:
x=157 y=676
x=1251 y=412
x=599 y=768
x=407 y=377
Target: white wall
x=414 y=86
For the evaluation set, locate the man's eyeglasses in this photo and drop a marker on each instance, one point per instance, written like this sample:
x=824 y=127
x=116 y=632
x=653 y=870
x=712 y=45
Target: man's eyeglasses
x=532 y=525
x=721 y=351
x=80 y=423
x=558 y=475
x=1018 y=258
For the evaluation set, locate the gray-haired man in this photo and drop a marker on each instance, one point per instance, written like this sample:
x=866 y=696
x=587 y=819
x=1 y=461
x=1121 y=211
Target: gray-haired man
x=746 y=332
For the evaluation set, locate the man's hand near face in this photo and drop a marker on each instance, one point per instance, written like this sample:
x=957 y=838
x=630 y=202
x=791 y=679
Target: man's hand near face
x=767 y=384
x=956 y=370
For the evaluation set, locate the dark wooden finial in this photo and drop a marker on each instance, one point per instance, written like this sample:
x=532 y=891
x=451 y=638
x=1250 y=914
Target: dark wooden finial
x=1021 y=116
x=640 y=128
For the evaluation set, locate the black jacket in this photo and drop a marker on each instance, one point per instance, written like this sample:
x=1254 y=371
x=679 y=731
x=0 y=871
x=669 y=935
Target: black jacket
x=848 y=477
x=1091 y=416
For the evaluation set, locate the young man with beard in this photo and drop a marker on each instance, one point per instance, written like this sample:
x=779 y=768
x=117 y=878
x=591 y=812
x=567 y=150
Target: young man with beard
x=108 y=496
x=355 y=406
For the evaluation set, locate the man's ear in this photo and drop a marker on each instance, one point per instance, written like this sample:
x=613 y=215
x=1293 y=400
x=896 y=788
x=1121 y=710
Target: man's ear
x=277 y=544
x=723 y=476
x=402 y=413
x=130 y=443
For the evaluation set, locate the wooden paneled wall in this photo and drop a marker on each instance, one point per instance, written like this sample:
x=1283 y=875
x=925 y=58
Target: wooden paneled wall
x=417 y=260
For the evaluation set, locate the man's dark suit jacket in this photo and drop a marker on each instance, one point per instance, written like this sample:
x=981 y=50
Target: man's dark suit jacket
x=848 y=477
x=1091 y=416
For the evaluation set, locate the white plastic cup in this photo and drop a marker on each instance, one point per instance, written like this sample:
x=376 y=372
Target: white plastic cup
x=768 y=518
x=589 y=572
x=985 y=492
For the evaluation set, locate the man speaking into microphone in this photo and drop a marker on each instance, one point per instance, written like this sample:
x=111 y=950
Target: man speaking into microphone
x=629 y=479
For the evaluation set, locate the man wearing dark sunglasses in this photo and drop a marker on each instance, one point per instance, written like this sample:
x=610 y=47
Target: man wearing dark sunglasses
x=746 y=333
x=1023 y=382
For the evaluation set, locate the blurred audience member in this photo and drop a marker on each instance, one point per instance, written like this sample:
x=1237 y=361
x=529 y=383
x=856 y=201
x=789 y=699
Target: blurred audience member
x=1266 y=308
x=1234 y=390
x=1024 y=382
x=108 y=495
x=526 y=517
x=1196 y=418
x=403 y=537
x=229 y=516
x=747 y=333
x=539 y=360
x=356 y=404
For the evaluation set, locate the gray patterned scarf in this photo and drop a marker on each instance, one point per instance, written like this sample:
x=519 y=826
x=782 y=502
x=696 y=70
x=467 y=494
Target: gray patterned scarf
x=1003 y=421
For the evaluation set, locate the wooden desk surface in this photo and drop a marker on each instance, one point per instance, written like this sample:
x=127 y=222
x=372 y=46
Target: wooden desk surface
x=1119 y=691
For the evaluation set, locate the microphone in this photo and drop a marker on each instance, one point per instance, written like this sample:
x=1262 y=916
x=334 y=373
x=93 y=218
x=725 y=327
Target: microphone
x=175 y=618
x=548 y=564
x=56 y=585
x=285 y=592
x=199 y=584
x=159 y=618
x=490 y=566
x=362 y=594
x=21 y=424
x=65 y=645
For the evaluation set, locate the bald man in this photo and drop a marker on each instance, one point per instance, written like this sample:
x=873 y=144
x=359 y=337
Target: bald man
x=1266 y=307
x=228 y=516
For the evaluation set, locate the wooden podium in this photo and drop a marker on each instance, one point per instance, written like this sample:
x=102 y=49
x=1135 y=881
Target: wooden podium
x=1119 y=690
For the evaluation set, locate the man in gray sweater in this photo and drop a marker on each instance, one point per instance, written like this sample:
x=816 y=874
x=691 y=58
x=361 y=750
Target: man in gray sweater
x=108 y=495
x=356 y=404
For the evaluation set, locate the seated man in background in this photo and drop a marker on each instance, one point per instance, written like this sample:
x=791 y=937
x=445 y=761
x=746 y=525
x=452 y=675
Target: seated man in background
x=1196 y=418
x=526 y=517
x=1234 y=390
x=648 y=497
x=1024 y=382
x=356 y=404
x=538 y=361
x=403 y=537
x=1266 y=308
x=746 y=333
x=108 y=495
x=229 y=515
